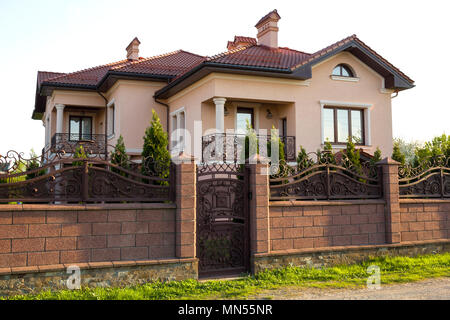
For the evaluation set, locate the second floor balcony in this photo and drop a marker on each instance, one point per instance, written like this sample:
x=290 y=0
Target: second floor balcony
x=69 y=142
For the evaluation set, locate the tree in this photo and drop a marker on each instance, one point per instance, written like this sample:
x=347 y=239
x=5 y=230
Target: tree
x=119 y=156
x=273 y=139
x=79 y=154
x=436 y=149
x=397 y=155
x=326 y=156
x=303 y=161
x=32 y=164
x=353 y=157
x=155 y=154
x=408 y=148
x=376 y=157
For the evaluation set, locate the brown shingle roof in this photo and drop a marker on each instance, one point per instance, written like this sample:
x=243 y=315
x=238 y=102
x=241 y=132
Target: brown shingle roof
x=170 y=64
x=261 y=56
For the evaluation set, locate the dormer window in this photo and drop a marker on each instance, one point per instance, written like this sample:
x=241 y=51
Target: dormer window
x=342 y=70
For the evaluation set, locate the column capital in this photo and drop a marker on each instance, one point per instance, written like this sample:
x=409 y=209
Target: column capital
x=59 y=106
x=219 y=101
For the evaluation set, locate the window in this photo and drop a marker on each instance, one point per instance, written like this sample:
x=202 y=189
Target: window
x=111 y=120
x=342 y=70
x=341 y=123
x=244 y=116
x=178 y=125
x=80 y=128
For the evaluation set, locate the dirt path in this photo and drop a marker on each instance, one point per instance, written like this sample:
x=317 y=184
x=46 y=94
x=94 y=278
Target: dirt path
x=432 y=289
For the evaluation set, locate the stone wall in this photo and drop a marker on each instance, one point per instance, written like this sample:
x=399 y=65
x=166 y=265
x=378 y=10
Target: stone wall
x=319 y=224
x=36 y=235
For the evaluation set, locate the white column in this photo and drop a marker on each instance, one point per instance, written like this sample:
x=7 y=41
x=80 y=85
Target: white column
x=220 y=107
x=59 y=117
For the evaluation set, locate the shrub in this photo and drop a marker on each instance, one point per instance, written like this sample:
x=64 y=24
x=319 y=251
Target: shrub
x=397 y=155
x=119 y=156
x=303 y=161
x=353 y=157
x=32 y=164
x=155 y=154
x=376 y=157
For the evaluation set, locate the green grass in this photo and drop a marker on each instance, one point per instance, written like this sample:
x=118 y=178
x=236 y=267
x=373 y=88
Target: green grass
x=393 y=270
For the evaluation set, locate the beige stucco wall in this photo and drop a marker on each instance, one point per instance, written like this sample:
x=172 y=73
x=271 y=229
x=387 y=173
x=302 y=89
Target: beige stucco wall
x=134 y=103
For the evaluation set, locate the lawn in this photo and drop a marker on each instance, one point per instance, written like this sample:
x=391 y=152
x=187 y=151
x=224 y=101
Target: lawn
x=393 y=270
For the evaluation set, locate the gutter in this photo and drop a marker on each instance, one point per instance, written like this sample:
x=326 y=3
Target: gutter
x=106 y=123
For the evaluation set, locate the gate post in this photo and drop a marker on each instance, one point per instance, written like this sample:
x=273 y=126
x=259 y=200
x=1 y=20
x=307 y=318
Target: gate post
x=389 y=179
x=259 y=206
x=185 y=199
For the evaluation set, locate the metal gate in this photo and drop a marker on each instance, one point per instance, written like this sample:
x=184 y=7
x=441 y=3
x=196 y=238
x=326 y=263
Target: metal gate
x=222 y=219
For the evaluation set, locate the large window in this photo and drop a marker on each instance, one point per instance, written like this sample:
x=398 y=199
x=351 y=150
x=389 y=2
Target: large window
x=341 y=123
x=80 y=128
x=178 y=119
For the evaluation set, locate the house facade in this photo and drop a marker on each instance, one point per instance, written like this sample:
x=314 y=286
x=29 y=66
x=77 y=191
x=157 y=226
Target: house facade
x=341 y=91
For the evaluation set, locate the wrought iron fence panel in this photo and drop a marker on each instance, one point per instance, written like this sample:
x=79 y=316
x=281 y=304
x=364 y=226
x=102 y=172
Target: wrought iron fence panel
x=324 y=178
x=62 y=178
x=428 y=179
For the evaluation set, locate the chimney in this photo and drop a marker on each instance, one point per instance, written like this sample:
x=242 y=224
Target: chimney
x=268 y=29
x=133 y=49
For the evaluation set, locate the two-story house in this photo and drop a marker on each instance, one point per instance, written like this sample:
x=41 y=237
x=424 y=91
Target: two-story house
x=341 y=91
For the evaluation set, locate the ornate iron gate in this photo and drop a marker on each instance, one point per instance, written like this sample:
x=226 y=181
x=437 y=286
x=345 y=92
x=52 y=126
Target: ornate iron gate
x=222 y=219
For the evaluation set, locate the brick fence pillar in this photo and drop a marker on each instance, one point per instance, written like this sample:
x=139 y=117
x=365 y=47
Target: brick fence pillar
x=259 y=205
x=185 y=200
x=389 y=170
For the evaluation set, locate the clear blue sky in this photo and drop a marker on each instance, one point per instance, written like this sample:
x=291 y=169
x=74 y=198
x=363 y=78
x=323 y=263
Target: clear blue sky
x=70 y=35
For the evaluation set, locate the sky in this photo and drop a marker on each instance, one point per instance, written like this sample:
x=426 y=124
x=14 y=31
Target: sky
x=65 y=36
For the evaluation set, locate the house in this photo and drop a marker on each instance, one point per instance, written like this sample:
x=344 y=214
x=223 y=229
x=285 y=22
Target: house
x=341 y=91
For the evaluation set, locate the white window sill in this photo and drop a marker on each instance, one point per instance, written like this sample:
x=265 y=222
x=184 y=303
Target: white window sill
x=348 y=79
x=111 y=136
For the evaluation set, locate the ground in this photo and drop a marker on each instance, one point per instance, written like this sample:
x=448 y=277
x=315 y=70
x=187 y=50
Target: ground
x=431 y=289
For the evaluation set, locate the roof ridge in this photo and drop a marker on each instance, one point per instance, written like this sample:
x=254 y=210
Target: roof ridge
x=148 y=59
x=84 y=70
x=225 y=53
x=325 y=50
x=299 y=51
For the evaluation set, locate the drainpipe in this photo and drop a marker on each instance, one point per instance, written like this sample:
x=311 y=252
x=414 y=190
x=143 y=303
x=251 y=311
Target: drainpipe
x=396 y=94
x=167 y=115
x=106 y=124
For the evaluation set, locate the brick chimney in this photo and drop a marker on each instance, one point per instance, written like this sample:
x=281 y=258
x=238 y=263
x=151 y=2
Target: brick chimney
x=268 y=29
x=133 y=49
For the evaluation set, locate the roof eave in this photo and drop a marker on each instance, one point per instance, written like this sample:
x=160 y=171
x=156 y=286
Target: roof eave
x=393 y=79
x=206 y=68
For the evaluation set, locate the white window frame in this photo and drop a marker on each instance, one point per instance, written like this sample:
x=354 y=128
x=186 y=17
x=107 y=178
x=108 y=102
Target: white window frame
x=353 y=105
x=111 y=106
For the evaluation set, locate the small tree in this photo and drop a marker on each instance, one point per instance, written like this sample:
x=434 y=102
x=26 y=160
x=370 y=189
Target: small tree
x=273 y=139
x=119 y=156
x=376 y=157
x=327 y=155
x=155 y=154
x=397 y=155
x=353 y=157
x=32 y=164
x=79 y=154
x=303 y=161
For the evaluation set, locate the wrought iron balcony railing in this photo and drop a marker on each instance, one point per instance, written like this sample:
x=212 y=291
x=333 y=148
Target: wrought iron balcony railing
x=231 y=146
x=69 y=142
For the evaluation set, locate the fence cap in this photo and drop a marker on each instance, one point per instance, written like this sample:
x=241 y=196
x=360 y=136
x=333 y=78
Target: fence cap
x=388 y=161
x=257 y=158
x=183 y=157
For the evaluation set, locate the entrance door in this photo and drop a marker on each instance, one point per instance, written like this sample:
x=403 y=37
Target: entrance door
x=244 y=116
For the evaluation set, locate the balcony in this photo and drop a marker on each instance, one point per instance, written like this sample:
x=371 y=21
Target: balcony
x=232 y=146
x=69 y=142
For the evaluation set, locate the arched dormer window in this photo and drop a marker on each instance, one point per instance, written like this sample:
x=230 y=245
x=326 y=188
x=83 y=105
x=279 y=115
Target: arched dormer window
x=342 y=70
